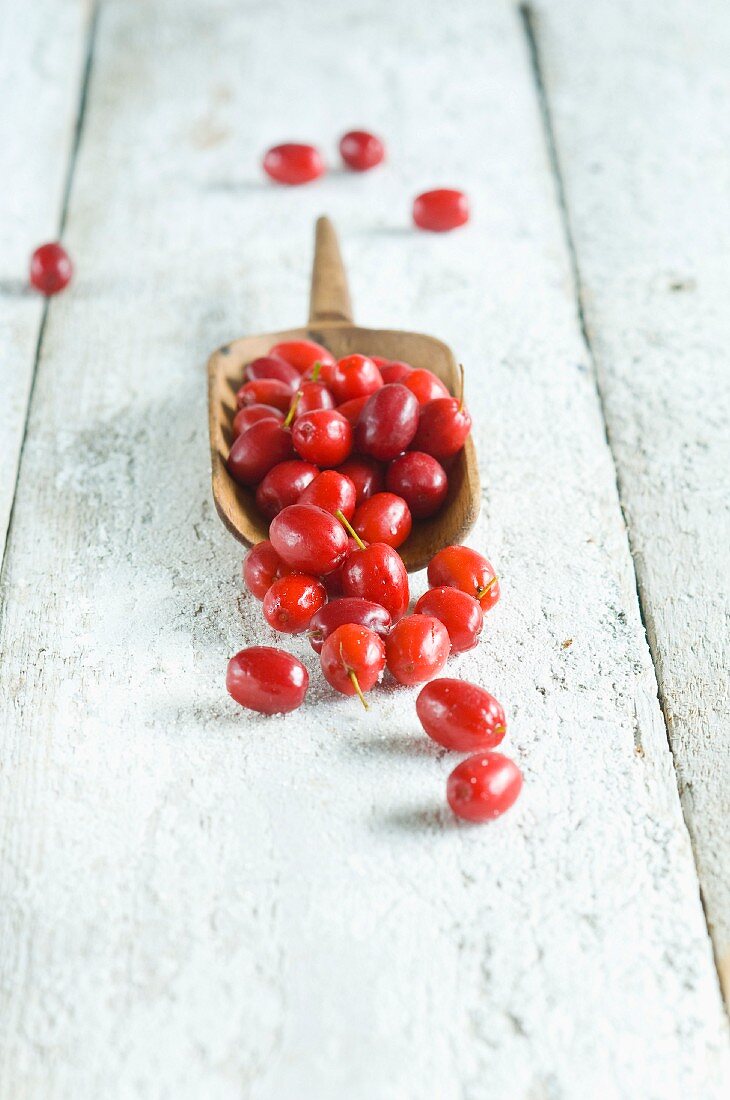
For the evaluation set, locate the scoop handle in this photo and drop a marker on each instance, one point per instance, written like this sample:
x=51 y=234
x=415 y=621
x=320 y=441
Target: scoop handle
x=329 y=298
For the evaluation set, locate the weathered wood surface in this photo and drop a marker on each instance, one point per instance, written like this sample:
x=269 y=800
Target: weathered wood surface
x=640 y=100
x=197 y=902
x=42 y=49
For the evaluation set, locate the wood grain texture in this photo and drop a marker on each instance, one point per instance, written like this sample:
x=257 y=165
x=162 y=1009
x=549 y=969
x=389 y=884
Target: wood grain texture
x=42 y=48
x=198 y=902
x=640 y=101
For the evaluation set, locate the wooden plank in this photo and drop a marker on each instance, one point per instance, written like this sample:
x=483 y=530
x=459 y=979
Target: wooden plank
x=199 y=902
x=42 y=48
x=639 y=101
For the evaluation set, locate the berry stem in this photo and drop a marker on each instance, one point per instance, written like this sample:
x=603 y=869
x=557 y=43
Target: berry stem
x=461 y=386
x=349 y=528
x=292 y=409
x=316 y=370
x=356 y=685
x=490 y=584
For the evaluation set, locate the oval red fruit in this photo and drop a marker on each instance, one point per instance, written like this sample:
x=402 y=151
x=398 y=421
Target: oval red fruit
x=292 y=163
x=484 y=786
x=267 y=680
x=461 y=716
x=441 y=210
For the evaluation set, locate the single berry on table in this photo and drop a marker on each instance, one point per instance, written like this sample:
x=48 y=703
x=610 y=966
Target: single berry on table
x=308 y=539
x=267 y=680
x=292 y=163
x=461 y=716
x=353 y=659
x=340 y=612
x=284 y=485
x=416 y=649
x=421 y=480
x=484 y=786
x=458 y=611
x=385 y=517
x=291 y=601
x=361 y=150
x=464 y=568
x=50 y=268
x=441 y=210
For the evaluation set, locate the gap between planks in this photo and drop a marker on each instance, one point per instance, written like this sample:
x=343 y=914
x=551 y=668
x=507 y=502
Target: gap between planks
x=530 y=25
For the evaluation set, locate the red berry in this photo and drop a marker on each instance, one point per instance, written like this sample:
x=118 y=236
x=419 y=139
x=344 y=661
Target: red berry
x=352 y=409
x=377 y=573
x=482 y=787
x=249 y=414
x=268 y=366
x=385 y=517
x=302 y=354
x=332 y=491
x=394 y=371
x=265 y=391
x=417 y=648
x=461 y=716
x=323 y=437
x=420 y=480
x=460 y=613
x=292 y=163
x=366 y=474
x=313 y=395
x=291 y=601
x=50 y=269
x=425 y=386
x=463 y=568
x=261 y=567
x=388 y=422
x=349 y=609
x=256 y=450
x=353 y=659
x=441 y=210
x=308 y=539
x=361 y=150
x=354 y=376
x=284 y=485
x=267 y=680
x=443 y=427
x=333 y=581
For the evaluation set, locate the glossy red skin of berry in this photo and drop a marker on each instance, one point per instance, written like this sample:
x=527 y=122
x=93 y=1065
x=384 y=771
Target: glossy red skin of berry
x=257 y=450
x=361 y=150
x=443 y=427
x=249 y=414
x=332 y=491
x=352 y=648
x=284 y=485
x=425 y=386
x=458 y=611
x=377 y=573
x=354 y=376
x=352 y=409
x=416 y=649
x=314 y=395
x=349 y=609
x=308 y=539
x=292 y=163
x=265 y=391
x=461 y=716
x=464 y=568
x=302 y=354
x=367 y=475
x=421 y=480
x=484 y=786
x=333 y=581
x=267 y=680
x=323 y=437
x=261 y=567
x=385 y=517
x=50 y=268
x=291 y=601
x=268 y=366
x=394 y=370
x=388 y=422
x=441 y=210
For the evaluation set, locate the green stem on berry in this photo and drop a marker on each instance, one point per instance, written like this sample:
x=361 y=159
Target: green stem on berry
x=316 y=370
x=490 y=584
x=292 y=409
x=356 y=685
x=350 y=529
x=500 y=730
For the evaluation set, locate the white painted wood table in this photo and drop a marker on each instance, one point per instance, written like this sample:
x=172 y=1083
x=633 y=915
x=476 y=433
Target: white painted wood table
x=199 y=903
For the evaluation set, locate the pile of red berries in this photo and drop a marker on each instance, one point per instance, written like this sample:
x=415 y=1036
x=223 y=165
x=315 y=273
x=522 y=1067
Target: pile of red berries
x=343 y=454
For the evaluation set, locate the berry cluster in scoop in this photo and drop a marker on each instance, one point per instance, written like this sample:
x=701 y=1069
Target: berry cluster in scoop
x=340 y=480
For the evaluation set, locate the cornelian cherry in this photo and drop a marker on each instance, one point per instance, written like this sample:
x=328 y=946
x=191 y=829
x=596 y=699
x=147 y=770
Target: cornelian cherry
x=394 y=370
x=385 y=517
x=464 y=568
x=313 y=395
x=261 y=567
x=361 y=150
x=50 y=268
x=269 y=366
x=417 y=648
x=353 y=659
x=377 y=573
x=354 y=376
x=292 y=163
x=284 y=485
x=308 y=539
x=367 y=475
x=291 y=601
x=333 y=581
x=352 y=409
x=387 y=423
x=349 y=609
x=421 y=480
x=257 y=450
x=265 y=391
x=425 y=386
x=441 y=210
x=267 y=680
x=332 y=491
x=249 y=414
x=302 y=354
x=443 y=427
x=460 y=716
x=323 y=437
x=460 y=613
x=484 y=786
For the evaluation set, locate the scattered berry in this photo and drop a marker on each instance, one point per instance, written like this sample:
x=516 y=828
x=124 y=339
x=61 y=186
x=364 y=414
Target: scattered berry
x=482 y=787
x=293 y=164
x=50 y=269
x=460 y=613
x=460 y=716
x=417 y=648
x=361 y=150
x=267 y=680
x=441 y=210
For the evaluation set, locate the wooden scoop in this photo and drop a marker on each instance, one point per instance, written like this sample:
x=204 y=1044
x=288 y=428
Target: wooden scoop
x=330 y=323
